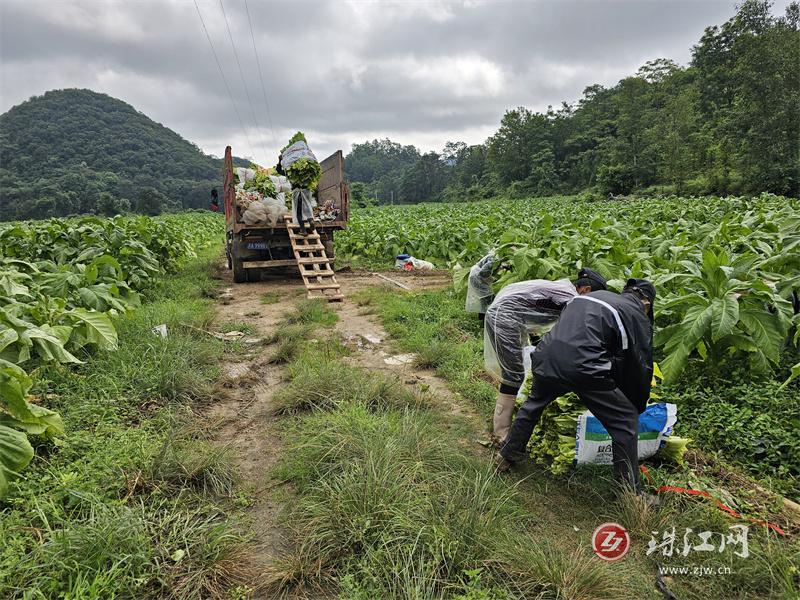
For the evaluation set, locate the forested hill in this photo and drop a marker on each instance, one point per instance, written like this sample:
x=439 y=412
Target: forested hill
x=76 y=151
x=727 y=123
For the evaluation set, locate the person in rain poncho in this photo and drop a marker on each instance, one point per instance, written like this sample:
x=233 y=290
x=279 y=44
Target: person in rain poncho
x=602 y=350
x=519 y=311
x=479 y=286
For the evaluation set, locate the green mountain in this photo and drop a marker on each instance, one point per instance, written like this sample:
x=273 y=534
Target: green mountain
x=76 y=151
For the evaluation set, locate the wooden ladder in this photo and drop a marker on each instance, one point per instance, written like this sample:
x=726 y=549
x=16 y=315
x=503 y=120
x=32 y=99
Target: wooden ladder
x=315 y=266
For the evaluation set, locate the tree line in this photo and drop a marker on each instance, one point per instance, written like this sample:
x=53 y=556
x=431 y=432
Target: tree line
x=727 y=123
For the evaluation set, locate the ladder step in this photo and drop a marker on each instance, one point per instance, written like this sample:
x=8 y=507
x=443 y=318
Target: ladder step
x=314 y=260
x=316 y=271
x=308 y=250
x=318 y=278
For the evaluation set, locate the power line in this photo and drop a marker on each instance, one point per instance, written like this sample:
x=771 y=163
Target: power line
x=224 y=79
x=241 y=74
x=261 y=76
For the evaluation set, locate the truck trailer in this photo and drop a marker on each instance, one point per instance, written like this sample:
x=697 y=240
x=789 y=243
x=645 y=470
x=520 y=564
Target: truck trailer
x=251 y=249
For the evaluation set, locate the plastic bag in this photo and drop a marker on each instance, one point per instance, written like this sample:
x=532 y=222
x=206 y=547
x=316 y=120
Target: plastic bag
x=521 y=310
x=409 y=263
x=281 y=183
x=307 y=201
x=275 y=210
x=244 y=175
x=422 y=265
x=479 y=285
x=593 y=443
x=255 y=214
x=295 y=152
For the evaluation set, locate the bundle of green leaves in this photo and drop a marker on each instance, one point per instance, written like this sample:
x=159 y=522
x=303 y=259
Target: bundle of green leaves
x=261 y=183
x=553 y=440
x=297 y=137
x=674 y=449
x=304 y=173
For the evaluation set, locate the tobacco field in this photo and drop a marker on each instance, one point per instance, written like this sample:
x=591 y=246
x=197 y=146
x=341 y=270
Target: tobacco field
x=62 y=282
x=727 y=271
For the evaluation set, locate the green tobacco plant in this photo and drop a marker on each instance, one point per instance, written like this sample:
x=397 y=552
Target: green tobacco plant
x=19 y=417
x=61 y=282
x=721 y=314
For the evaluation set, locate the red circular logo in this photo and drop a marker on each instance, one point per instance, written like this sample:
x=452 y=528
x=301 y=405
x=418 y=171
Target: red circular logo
x=610 y=541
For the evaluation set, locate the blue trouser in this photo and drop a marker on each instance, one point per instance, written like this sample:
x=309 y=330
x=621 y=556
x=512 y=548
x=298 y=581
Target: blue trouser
x=610 y=406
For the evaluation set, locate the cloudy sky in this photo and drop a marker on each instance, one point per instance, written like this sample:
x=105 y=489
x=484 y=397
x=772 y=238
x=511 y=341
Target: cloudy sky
x=418 y=72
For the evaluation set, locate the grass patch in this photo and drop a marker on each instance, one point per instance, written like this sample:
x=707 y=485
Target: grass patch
x=312 y=312
x=317 y=380
x=290 y=339
x=296 y=332
x=124 y=505
x=435 y=327
x=270 y=298
x=196 y=553
x=188 y=460
x=389 y=507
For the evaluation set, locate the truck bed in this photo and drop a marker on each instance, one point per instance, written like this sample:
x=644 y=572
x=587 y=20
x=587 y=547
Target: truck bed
x=251 y=248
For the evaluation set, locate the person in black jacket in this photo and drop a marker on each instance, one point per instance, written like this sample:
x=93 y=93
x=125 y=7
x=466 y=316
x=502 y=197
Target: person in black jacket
x=602 y=350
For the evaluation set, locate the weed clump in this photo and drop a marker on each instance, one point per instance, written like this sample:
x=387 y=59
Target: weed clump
x=313 y=311
x=319 y=382
x=389 y=507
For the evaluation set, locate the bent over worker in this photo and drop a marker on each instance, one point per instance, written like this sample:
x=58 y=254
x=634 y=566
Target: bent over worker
x=602 y=350
x=521 y=310
x=479 y=287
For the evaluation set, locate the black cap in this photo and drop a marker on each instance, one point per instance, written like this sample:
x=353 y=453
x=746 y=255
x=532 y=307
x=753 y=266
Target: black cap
x=591 y=278
x=641 y=286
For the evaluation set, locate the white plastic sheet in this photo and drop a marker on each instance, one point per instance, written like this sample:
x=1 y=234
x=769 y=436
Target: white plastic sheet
x=281 y=183
x=306 y=199
x=479 y=286
x=295 y=152
x=244 y=175
x=519 y=311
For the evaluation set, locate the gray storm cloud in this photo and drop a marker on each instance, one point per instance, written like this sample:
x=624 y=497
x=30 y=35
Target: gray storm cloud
x=418 y=72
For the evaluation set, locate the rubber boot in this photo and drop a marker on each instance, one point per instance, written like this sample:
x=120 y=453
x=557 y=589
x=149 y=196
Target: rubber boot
x=503 y=411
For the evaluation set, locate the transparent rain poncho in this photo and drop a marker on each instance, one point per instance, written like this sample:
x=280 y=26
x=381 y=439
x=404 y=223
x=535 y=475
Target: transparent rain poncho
x=479 y=285
x=519 y=311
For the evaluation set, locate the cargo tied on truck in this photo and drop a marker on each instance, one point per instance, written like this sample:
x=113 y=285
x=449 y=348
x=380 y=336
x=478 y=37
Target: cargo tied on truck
x=272 y=223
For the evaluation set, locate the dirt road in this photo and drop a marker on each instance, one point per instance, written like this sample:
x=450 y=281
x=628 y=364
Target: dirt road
x=243 y=417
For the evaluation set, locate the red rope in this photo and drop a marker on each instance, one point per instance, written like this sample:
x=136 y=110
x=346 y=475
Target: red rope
x=719 y=504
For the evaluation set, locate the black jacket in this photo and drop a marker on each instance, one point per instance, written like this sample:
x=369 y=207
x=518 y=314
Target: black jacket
x=587 y=348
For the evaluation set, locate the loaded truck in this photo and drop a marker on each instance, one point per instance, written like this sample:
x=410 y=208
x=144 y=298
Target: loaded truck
x=251 y=249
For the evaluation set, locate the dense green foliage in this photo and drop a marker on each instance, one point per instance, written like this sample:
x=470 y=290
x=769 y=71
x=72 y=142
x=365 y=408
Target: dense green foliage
x=727 y=124
x=725 y=268
x=73 y=151
x=130 y=503
x=61 y=283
